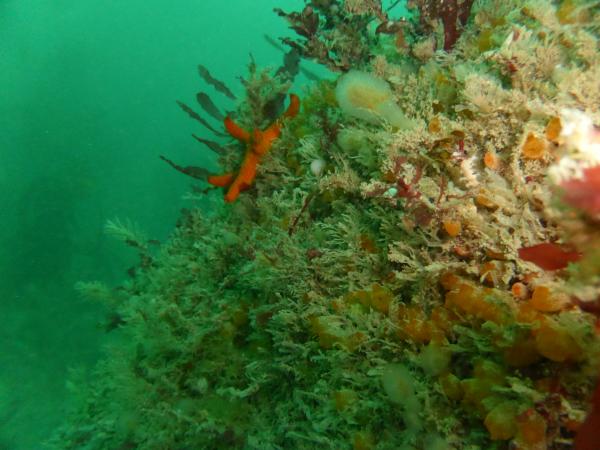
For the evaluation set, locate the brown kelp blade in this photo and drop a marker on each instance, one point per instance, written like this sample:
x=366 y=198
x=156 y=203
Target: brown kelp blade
x=289 y=58
x=309 y=74
x=393 y=5
x=210 y=144
x=217 y=84
x=291 y=64
x=194 y=115
x=305 y=23
x=199 y=173
x=274 y=43
x=274 y=107
x=208 y=106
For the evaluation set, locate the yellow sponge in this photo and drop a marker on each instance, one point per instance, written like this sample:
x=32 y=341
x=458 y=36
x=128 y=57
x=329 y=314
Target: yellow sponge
x=369 y=98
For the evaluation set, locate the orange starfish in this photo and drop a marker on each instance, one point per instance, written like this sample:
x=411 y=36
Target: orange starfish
x=258 y=142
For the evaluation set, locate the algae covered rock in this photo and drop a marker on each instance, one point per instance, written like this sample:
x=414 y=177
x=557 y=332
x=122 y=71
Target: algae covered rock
x=389 y=299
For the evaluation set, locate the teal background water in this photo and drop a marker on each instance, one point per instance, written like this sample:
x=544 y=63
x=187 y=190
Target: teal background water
x=87 y=103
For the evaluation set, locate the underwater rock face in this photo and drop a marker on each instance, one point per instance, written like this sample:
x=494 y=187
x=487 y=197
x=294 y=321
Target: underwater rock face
x=426 y=287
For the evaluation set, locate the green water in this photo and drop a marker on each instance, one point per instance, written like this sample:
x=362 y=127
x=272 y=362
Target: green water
x=87 y=103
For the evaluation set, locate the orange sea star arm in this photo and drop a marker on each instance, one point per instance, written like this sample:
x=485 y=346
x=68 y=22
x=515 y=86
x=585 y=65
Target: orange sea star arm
x=221 y=180
x=235 y=130
x=293 y=108
x=258 y=144
x=245 y=176
x=263 y=140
